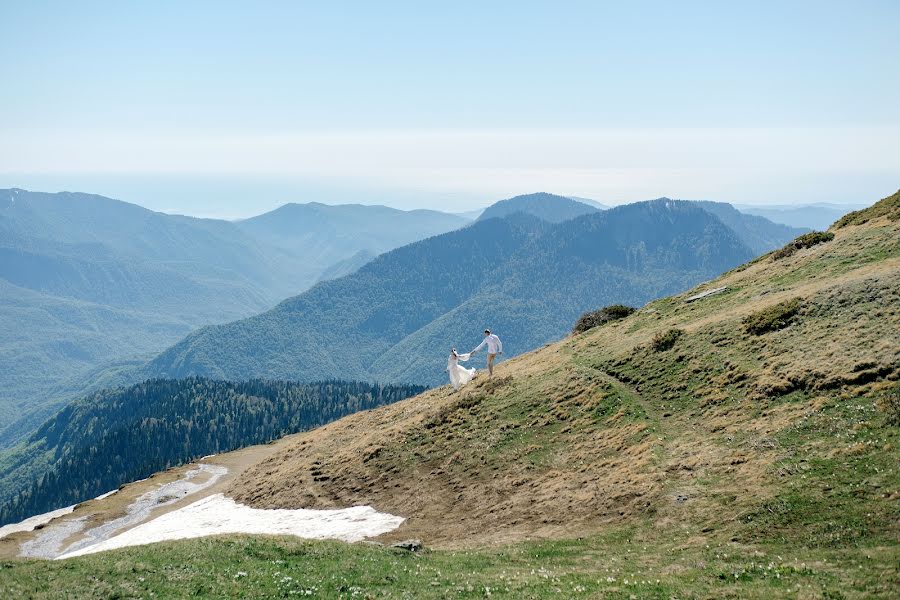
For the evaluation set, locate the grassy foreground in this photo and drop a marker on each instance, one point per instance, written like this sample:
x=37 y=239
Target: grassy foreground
x=612 y=566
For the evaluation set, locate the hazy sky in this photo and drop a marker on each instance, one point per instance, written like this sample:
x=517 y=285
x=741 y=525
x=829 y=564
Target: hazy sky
x=230 y=109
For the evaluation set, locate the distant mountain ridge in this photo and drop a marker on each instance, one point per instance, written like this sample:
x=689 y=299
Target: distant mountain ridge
x=80 y=292
x=325 y=234
x=548 y=207
x=86 y=279
x=757 y=232
x=526 y=278
x=813 y=216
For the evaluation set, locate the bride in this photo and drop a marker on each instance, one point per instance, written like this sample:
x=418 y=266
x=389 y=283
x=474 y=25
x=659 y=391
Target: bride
x=459 y=376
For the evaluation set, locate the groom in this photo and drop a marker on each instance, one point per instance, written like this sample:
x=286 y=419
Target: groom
x=495 y=347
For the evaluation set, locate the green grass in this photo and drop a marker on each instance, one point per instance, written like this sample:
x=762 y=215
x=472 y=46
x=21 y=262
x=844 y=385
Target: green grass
x=623 y=564
x=666 y=340
x=839 y=498
x=772 y=318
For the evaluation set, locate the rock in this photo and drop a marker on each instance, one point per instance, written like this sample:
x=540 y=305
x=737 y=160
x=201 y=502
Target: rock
x=411 y=545
x=701 y=295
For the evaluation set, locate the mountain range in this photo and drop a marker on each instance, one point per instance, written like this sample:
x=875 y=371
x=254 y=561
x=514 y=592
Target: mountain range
x=737 y=439
x=812 y=216
x=526 y=278
x=93 y=288
x=85 y=279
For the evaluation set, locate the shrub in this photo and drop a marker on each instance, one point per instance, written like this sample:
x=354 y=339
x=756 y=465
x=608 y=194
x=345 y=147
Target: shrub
x=807 y=240
x=592 y=319
x=665 y=340
x=773 y=318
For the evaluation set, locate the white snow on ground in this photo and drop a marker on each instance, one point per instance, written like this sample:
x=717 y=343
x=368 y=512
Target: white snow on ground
x=49 y=542
x=106 y=495
x=31 y=522
x=217 y=514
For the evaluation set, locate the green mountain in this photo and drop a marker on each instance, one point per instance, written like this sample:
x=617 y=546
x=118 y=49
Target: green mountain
x=547 y=207
x=116 y=436
x=396 y=318
x=323 y=235
x=346 y=266
x=87 y=280
x=759 y=233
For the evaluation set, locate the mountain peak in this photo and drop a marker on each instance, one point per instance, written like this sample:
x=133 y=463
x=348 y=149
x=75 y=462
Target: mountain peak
x=548 y=207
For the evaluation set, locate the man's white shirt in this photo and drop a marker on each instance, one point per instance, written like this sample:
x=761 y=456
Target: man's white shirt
x=493 y=343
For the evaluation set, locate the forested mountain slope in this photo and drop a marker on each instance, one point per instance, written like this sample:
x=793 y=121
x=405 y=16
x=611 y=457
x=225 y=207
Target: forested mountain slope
x=547 y=207
x=85 y=280
x=116 y=436
x=397 y=317
x=759 y=233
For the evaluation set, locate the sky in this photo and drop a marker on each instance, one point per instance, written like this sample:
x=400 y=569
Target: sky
x=229 y=109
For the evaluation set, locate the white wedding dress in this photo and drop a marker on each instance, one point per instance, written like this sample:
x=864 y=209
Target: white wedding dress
x=459 y=376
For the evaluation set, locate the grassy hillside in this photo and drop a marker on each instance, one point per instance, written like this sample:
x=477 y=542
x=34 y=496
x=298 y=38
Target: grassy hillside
x=786 y=433
x=740 y=445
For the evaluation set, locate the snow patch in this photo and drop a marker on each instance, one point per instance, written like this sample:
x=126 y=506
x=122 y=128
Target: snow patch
x=49 y=542
x=31 y=522
x=139 y=510
x=106 y=495
x=217 y=514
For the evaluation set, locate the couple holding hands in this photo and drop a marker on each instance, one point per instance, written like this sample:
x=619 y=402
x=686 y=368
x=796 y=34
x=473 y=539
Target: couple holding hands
x=459 y=375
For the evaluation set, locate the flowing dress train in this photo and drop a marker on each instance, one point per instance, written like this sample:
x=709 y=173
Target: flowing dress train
x=459 y=375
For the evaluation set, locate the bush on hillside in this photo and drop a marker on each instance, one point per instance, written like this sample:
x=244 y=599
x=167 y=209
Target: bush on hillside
x=595 y=318
x=773 y=318
x=807 y=240
x=665 y=340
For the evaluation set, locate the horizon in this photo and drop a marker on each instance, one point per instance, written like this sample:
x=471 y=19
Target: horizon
x=227 y=111
x=467 y=213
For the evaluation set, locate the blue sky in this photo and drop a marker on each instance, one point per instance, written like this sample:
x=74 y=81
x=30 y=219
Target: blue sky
x=229 y=109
